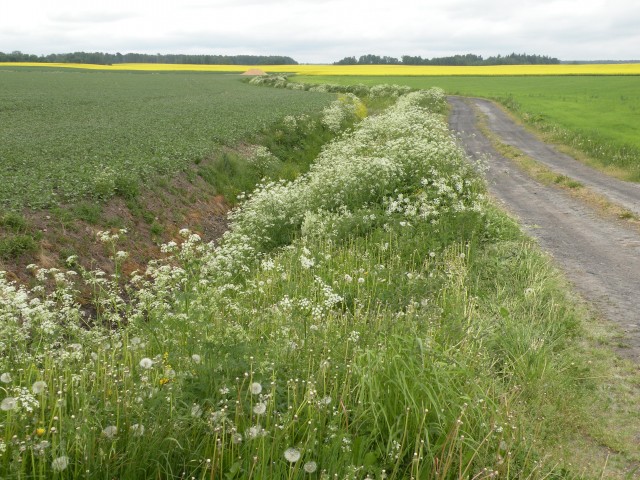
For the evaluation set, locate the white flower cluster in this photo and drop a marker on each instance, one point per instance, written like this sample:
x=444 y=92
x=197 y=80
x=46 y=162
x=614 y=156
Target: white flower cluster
x=262 y=160
x=388 y=153
x=388 y=90
x=403 y=159
x=400 y=166
x=338 y=112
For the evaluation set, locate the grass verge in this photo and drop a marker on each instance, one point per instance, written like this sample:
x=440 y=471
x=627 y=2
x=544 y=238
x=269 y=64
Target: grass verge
x=375 y=317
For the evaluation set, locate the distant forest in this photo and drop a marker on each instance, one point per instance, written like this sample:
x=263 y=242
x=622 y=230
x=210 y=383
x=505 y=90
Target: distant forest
x=455 y=60
x=100 y=58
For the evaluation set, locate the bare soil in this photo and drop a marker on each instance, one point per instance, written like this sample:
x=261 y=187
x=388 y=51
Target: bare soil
x=159 y=213
x=600 y=256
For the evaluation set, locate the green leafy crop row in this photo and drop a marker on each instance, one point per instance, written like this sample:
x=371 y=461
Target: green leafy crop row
x=66 y=135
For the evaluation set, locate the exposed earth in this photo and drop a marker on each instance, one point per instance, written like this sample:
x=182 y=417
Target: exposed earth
x=600 y=256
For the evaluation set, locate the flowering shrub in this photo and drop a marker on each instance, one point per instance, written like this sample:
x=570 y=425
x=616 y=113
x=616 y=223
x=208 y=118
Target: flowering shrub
x=398 y=151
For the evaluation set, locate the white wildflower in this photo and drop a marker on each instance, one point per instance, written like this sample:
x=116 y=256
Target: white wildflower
x=310 y=467
x=307 y=263
x=196 y=411
x=259 y=408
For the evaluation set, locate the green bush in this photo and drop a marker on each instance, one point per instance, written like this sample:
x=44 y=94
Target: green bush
x=13 y=246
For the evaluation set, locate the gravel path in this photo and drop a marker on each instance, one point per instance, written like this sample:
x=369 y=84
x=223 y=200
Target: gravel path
x=626 y=194
x=601 y=257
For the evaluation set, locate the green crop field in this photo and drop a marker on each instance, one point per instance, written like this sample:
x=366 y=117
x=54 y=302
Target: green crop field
x=373 y=315
x=66 y=135
x=598 y=115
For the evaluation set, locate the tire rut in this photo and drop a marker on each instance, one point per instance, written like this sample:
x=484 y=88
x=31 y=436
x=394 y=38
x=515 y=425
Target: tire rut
x=626 y=194
x=600 y=257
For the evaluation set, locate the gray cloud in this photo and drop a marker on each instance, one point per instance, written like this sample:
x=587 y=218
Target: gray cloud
x=327 y=30
x=89 y=17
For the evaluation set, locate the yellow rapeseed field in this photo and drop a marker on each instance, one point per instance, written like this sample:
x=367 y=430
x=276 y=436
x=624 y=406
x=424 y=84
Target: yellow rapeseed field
x=370 y=70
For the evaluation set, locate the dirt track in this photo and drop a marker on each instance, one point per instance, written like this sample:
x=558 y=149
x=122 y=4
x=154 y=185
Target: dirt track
x=601 y=257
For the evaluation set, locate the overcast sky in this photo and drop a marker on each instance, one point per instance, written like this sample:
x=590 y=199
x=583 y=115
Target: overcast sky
x=323 y=31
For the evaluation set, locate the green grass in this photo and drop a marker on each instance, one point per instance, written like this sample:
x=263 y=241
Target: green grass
x=599 y=116
x=68 y=135
x=292 y=144
x=377 y=315
x=17 y=236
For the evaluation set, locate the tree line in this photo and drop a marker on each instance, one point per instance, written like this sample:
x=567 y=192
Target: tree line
x=455 y=60
x=101 y=58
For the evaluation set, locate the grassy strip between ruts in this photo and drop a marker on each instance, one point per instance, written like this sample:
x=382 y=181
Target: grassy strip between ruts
x=373 y=318
x=546 y=175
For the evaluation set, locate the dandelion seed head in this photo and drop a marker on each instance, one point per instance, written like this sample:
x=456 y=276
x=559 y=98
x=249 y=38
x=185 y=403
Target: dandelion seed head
x=137 y=429
x=38 y=387
x=146 y=363
x=259 y=408
x=6 y=377
x=310 y=467
x=196 y=358
x=292 y=455
x=9 y=403
x=110 y=432
x=255 y=388
x=59 y=464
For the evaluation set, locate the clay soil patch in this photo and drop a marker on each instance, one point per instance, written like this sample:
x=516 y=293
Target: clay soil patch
x=254 y=72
